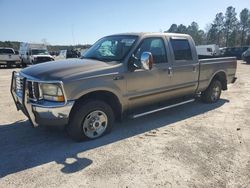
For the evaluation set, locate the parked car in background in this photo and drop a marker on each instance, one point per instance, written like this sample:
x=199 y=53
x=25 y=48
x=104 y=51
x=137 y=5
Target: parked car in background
x=33 y=54
x=82 y=51
x=211 y=50
x=9 y=57
x=234 y=51
x=246 y=56
x=132 y=74
x=65 y=54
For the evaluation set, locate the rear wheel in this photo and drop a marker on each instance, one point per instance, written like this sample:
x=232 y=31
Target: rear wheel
x=90 y=119
x=212 y=93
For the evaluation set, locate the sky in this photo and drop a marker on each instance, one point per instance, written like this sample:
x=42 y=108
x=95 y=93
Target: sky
x=70 y=22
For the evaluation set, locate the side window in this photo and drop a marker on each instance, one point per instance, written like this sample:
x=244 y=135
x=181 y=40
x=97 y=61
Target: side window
x=6 y=51
x=181 y=48
x=154 y=45
x=209 y=49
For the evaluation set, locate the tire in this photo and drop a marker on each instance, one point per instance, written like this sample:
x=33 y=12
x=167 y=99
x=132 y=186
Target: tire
x=8 y=65
x=212 y=93
x=23 y=64
x=89 y=120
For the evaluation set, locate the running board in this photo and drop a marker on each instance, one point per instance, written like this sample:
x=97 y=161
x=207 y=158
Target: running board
x=160 y=109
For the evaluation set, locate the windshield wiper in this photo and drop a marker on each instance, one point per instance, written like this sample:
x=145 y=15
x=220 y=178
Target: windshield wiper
x=96 y=58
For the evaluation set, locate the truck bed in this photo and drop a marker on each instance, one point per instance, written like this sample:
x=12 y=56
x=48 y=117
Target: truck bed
x=209 y=67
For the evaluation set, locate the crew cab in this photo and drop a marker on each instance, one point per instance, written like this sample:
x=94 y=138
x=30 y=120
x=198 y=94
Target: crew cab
x=9 y=57
x=123 y=75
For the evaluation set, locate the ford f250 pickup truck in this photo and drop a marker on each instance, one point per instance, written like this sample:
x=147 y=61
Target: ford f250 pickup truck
x=120 y=75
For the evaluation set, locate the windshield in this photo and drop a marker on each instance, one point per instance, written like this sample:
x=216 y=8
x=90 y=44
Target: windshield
x=39 y=52
x=6 y=51
x=113 y=48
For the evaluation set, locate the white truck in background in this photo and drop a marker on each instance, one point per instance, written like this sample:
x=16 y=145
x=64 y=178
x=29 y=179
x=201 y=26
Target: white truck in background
x=211 y=50
x=8 y=57
x=34 y=53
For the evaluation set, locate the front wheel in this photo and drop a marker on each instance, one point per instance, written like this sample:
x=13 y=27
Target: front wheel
x=90 y=119
x=9 y=65
x=212 y=93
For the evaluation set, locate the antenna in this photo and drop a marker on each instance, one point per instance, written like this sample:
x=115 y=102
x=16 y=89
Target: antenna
x=72 y=32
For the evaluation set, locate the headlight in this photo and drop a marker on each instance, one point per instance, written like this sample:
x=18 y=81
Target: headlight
x=52 y=92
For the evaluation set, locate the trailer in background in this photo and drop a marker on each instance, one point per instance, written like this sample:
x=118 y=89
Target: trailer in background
x=34 y=53
x=211 y=50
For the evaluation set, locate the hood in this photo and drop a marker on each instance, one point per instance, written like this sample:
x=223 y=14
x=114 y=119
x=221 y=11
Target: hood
x=67 y=69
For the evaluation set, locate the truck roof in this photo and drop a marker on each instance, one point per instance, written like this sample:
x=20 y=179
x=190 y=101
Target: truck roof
x=6 y=48
x=141 y=34
x=32 y=45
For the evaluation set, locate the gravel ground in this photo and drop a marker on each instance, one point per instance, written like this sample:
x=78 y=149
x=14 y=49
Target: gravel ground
x=195 y=145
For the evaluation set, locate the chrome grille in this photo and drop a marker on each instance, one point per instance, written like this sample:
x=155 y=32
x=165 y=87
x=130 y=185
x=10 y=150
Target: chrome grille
x=19 y=84
x=32 y=88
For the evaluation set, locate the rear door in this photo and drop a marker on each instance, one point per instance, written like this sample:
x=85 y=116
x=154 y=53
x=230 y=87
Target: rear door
x=184 y=66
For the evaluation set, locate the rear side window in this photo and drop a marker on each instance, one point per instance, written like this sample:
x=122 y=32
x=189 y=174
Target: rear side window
x=181 y=48
x=6 y=51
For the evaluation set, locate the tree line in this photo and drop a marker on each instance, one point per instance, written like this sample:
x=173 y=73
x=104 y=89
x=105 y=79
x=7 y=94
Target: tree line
x=15 y=45
x=226 y=30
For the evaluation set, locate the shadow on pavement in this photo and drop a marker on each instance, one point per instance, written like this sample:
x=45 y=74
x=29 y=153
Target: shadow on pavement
x=23 y=147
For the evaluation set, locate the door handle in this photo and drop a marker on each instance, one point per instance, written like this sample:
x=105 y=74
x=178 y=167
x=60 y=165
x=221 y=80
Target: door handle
x=194 y=68
x=170 y=71
x=118 y=77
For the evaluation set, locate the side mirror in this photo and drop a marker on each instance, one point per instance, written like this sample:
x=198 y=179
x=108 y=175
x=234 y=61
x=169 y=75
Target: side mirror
x=147 y=60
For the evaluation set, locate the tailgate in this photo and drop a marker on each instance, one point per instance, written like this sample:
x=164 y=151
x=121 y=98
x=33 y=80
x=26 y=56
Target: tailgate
x=9 y=57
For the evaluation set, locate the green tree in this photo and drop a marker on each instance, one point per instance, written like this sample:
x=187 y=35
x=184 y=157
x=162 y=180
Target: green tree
x=212 y=34
x=244 y=24
x=181 y=29
x=193 y=30
x=230 y=25
x=173 y=28
x=219 y=24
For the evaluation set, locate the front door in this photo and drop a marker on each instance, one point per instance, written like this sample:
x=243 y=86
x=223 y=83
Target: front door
x=146 y=86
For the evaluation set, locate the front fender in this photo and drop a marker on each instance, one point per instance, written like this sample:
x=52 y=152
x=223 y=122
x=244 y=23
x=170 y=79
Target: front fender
x=79 y=88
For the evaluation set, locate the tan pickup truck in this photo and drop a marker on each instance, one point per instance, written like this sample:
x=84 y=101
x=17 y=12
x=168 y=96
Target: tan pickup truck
x=132 y=74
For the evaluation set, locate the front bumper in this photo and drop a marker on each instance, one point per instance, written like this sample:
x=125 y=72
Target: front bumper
x=11 y=62
x=47 y=113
